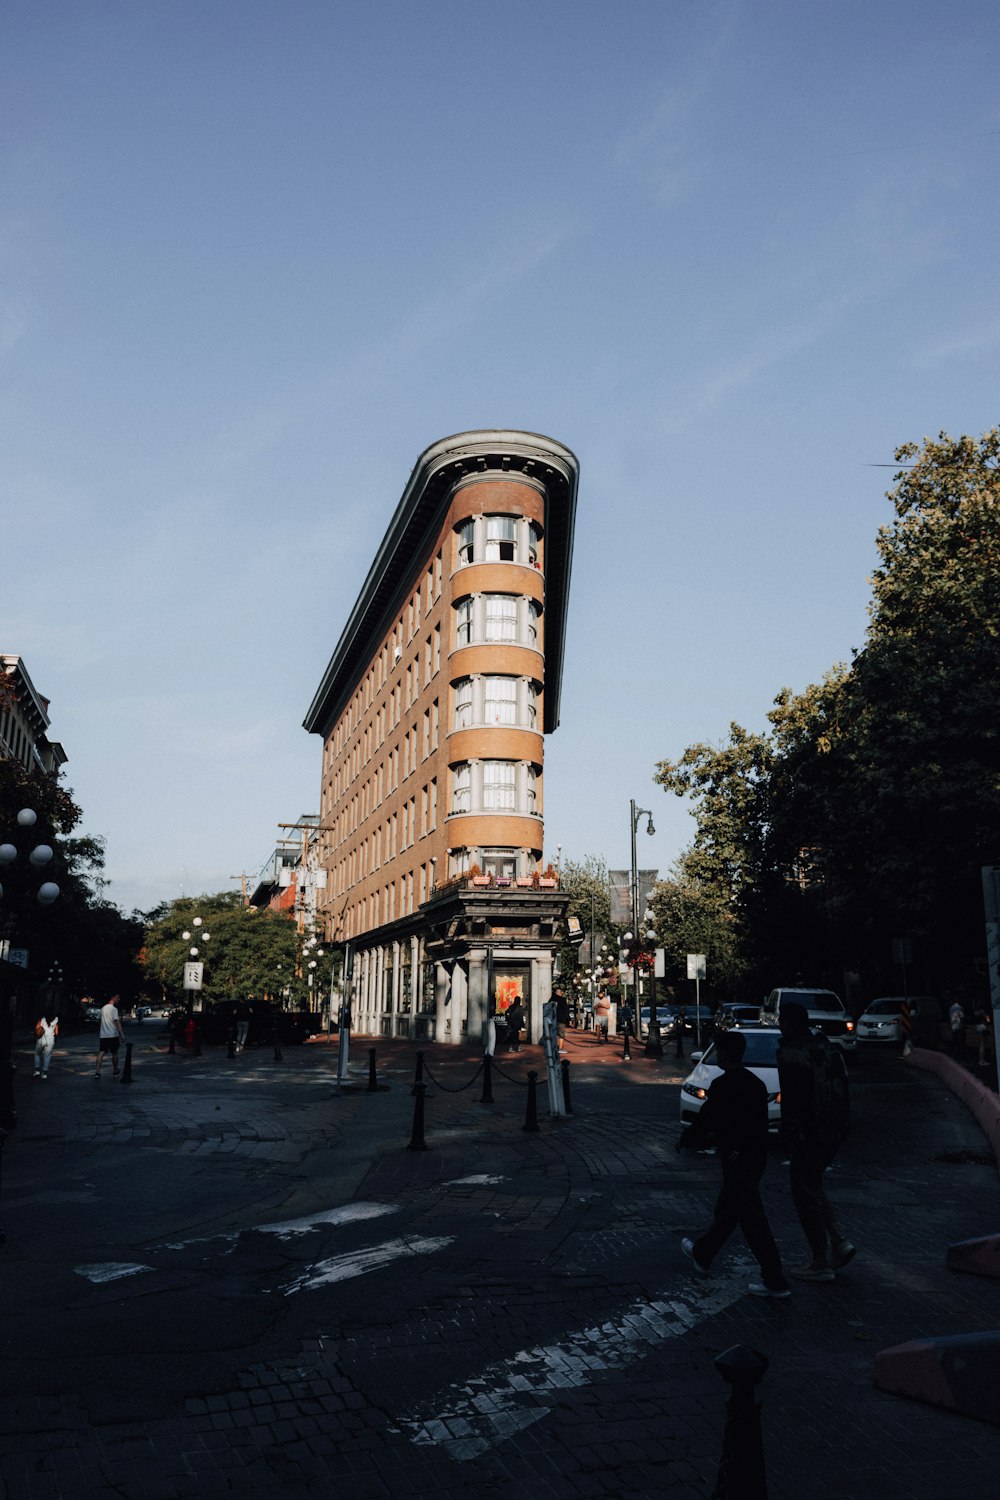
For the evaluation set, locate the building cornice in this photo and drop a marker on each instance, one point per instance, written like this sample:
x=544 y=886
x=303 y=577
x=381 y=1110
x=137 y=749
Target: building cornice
x=402 y=553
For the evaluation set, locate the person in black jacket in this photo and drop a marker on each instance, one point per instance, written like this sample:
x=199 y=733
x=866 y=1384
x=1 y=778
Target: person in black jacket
x=734 y=1118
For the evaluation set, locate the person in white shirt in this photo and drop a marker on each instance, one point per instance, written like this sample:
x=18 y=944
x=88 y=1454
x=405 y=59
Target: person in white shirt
x=46 y=1032
x=110 y=1035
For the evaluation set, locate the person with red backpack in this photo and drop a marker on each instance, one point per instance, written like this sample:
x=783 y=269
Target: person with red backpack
x=815 y=1106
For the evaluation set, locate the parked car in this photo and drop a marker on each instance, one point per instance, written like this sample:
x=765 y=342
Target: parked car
x=882 y=1020
x=761 y=1057
x=827 y=1013
x=92 y=1013
x=267 y=1023
x=736 y=1014
x=665 y=1016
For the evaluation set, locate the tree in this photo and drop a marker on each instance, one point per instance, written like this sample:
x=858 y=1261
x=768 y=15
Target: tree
x=586 y=881
x=251 y=952
x=695 y=916
x=868 y=808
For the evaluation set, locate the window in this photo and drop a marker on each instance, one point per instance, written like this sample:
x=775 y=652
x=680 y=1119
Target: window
x=500 y=863
x=500 y=700
x=463 y=703
x=501 y=617
x=434 y=725
x=463 y=623
x=532 y=620
x=532 y=792
x=532 y=704
x=433 y=807
x=461 y=793
x=499 y=786
x=501 y=539
x=437 y=648
x=466 y=534
x=534 y=541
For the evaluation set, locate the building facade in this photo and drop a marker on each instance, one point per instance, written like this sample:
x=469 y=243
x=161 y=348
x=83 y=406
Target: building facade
x=24 y=721
x=433 y=712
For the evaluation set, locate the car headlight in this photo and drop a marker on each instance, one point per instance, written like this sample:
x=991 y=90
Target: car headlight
x=694 y=1090
x=850 y=1025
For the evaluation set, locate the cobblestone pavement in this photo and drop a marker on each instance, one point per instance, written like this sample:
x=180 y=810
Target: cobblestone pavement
x=233 y=1274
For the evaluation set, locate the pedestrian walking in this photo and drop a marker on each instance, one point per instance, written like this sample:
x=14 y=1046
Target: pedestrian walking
x=734 y=1119
x=515 y=1025
x=602 y=1015
x=109 y=1035
x=46 y=1032
x=562 y=1015
x=956 y=1022
x=982 y=1023
x=243 y=1012
x=814 y=1114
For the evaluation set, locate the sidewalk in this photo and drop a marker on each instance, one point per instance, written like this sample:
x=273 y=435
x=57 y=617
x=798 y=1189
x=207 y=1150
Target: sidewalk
x=294 y=1303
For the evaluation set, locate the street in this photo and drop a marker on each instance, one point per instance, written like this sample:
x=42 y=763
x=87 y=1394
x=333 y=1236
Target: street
x=230 y=1274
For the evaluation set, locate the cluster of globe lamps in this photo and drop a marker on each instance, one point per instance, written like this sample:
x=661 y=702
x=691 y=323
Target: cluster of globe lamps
x=39 y=857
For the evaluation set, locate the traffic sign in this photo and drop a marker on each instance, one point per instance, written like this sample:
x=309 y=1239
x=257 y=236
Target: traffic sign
x=192 y=976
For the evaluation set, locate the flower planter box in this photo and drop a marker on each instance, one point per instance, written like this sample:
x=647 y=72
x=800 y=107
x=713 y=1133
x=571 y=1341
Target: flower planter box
x=502 y=880
x=547 y=885
x=523 y=880
x=480 y=880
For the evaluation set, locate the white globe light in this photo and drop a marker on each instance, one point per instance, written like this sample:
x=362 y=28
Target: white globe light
x=193 y=952
x=186 y=936
x=197 y=921
x=40 y=856
x=26 y=818
x=312 y=963
x=48 y=892
x=627 y=937
x=204 y=937
x=8 y=854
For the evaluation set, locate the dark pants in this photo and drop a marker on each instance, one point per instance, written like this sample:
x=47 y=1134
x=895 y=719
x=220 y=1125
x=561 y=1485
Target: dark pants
x=739 y=1203
x=806 y=1166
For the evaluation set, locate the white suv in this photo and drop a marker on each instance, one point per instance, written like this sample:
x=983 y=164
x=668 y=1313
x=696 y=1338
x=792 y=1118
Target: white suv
x=826 y=1014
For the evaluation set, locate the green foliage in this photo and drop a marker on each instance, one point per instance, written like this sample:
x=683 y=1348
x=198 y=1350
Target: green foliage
x=867 y=810
x=696 y=916
x=250 y=952
x=586 y=881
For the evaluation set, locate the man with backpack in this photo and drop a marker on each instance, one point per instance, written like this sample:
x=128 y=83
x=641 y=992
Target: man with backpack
x=814 y=1115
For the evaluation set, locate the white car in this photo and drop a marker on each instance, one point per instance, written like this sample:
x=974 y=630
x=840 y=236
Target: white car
x=826 y=1014
x=883 y=1020
x=761 y=1057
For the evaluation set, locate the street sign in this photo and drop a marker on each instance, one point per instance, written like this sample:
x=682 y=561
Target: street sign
x=192 y=976
x=696 y=965
x=660 y=964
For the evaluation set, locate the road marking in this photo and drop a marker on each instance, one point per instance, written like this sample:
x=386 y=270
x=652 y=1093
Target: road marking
x=479 y=1179
x=360 y=1262
x=468 y=1419
x=287 y=1229
x=110 y=1271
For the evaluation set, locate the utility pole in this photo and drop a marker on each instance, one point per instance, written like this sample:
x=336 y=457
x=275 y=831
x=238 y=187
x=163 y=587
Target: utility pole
x=242 y=877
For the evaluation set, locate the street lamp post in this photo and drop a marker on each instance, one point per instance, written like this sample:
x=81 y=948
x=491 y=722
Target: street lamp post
x=654 y=1042
x=48 y=891
x=200 y=935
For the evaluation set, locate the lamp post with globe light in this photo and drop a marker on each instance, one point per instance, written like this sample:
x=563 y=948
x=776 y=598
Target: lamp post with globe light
x=654 y=1042
x=12 y=901
x=194 y=971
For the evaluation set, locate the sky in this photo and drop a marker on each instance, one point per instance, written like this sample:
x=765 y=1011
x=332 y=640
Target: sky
x=257 y=255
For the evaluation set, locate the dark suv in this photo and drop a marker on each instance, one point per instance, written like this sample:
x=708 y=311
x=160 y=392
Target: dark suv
x=826 y=1014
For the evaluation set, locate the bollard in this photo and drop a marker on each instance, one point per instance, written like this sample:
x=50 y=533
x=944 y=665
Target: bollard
x=278 y=1054
x=127 y=1070
x=418 y=1076
x=417 y=1142
x=197 y=1041
x=741 y=1467
x=565 y=1083
x=231 y=1047
x=531 y=1113
x=626 y=1052
x=372 y=1076
x=487 y=1097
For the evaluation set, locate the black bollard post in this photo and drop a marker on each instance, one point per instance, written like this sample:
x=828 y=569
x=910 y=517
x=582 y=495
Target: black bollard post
x=417 y=1142
x=197 y=1041
x=372 y=1075
x=418 y=1076
x=278 y=1054
x=565 y=1083
x=741 y=1467
x=626 y=1050
x=531 y=1113
x=127 y=1070
x=487 y=1097
x=231 y=1047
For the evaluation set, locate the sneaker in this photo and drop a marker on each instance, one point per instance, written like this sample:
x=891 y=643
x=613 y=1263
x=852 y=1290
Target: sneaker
x=843 y=1251
x=813 y=1273
x=37 y=1073
x=688 y=1247
x=758 y=1289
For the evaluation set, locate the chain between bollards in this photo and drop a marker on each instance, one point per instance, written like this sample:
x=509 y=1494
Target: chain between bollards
x=417 y=1142
x=487 y=1095
x=531 y=1113
x=372 y=1075
x=127 y=1070
x=741 y=1467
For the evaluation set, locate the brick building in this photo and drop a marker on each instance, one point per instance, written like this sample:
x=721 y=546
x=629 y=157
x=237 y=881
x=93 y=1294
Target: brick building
x=432 y=713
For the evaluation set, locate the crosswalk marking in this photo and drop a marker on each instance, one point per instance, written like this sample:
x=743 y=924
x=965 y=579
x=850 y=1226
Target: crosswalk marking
x=286 y=1229
x=360 y=1262
x=468 y=1419
x=110 y=1271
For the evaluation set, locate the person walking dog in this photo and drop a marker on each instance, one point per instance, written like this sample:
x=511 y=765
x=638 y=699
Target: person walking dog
x=734 y=1118
x=46 y=1032
x=110 y=1035
x=814 y=1115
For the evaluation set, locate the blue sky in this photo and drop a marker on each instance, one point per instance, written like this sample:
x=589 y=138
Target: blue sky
x=256 y=256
